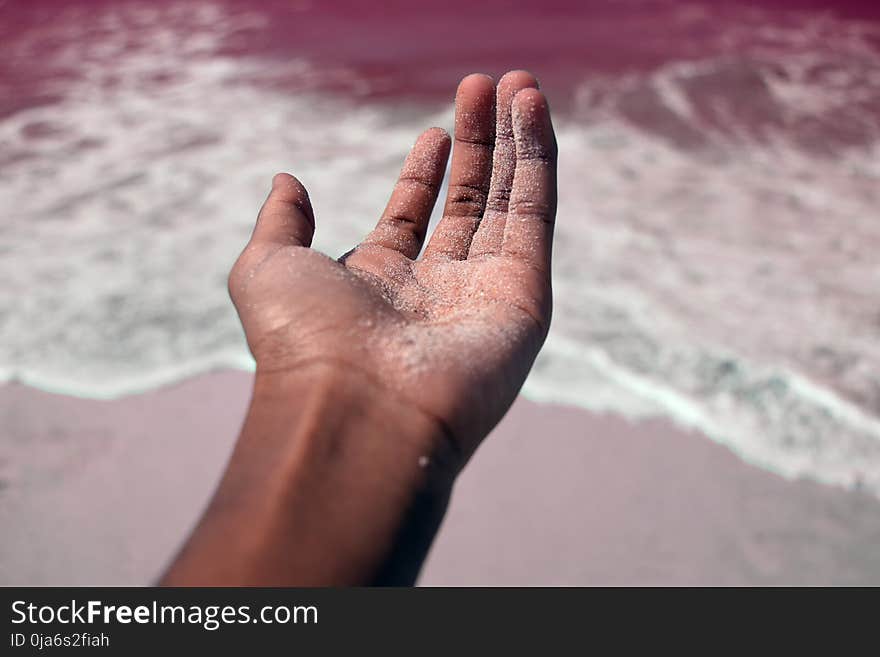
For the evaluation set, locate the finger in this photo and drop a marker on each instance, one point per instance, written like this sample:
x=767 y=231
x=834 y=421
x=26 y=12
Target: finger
x=471 y=168
x=528 y=231
x=490 y=234
x=286 y=217
x=404 y=222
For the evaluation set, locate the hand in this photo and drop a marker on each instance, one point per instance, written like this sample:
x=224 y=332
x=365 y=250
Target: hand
x=452 y=333
x=373 y=367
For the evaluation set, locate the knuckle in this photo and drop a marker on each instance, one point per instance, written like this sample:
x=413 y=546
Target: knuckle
x=499 y=200
x=465 y=200
x=537 y=153
x=398 y=220
x=416 y=181
x=532 y=207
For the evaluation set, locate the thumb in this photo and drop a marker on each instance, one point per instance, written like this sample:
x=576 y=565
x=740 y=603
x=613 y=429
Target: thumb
x=286 y=217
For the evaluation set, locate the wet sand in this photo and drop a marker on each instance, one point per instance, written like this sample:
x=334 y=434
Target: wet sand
x=102 y=492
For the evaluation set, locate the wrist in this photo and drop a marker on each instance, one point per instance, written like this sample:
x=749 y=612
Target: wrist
x=337 y=482
x=332 y=403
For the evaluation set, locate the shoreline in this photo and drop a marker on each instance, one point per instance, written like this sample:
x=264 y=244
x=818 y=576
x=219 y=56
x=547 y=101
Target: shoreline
x=104 y=491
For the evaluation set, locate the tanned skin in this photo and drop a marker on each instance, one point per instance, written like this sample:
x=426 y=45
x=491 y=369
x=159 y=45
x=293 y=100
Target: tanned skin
x=380 y=373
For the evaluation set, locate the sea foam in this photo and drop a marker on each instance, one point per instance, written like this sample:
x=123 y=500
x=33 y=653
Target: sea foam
x=715 y=261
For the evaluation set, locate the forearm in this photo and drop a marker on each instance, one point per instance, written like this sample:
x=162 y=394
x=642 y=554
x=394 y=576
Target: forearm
x=332 y=482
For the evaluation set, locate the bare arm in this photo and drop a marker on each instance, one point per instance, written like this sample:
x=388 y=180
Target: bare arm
x=379 y=374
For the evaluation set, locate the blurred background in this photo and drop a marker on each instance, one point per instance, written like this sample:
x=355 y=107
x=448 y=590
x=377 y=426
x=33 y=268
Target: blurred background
x=707 y=406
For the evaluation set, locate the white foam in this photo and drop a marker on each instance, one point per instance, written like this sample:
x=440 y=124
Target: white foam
x=731 y=287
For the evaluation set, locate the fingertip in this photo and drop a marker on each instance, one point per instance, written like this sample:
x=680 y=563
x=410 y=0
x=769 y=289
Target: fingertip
x=475 y=96
x=429 y=154
x=475 y=82
x=518 y=79
x=511 y=84
x=531 y=111
x=475 y=109
x=287 y=189
x=427 y=158
x=282 y=179
x=530 y=99
x=435 y=136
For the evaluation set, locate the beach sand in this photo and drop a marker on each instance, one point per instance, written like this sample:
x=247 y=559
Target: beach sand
x=103 y=492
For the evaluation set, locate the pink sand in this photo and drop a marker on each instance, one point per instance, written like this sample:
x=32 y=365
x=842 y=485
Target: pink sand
x=98 y=492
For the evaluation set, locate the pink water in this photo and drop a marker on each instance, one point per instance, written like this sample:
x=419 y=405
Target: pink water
x=718 y=227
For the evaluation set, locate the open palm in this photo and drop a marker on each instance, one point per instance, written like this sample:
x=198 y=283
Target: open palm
x=454 y=332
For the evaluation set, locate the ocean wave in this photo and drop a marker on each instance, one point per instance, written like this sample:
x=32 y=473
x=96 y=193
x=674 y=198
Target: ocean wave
x=717 y=228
